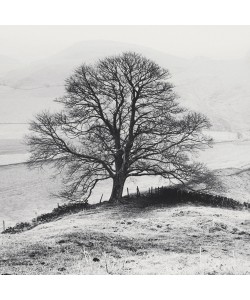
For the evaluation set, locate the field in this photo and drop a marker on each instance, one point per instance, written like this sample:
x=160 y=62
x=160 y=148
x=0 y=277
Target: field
x=25 y=193
x=12 y=151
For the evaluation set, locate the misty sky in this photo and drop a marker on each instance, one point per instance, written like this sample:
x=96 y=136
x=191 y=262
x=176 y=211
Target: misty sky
x=29 y=43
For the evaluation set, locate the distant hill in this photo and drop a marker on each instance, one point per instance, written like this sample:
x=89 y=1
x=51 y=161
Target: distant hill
x=220 y=89
x=7 y=64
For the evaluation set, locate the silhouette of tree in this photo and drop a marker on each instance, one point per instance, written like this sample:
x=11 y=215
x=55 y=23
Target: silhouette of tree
x=121 y=118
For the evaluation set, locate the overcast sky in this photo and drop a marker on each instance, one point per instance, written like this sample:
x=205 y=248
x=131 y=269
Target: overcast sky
x=220 y=42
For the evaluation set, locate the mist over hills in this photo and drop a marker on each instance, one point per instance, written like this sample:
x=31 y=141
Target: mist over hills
x=7 y=64
x=219 y=89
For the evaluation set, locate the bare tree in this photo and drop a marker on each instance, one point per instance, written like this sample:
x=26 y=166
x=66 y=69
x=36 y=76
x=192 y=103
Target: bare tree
x=121 y=118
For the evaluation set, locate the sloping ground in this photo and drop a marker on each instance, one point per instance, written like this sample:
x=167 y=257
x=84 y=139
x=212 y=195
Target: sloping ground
x=226 y=155
x=130 y=240
x=237 y=183
x=25 y=193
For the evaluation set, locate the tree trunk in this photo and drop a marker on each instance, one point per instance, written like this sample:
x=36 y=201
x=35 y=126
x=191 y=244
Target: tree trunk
x=118 y=185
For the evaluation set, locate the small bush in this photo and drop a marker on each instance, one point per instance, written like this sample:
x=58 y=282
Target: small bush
x=19 y=227
x=62 y=210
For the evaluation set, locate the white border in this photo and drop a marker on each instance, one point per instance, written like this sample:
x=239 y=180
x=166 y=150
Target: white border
x=124 y=287
x=124 y=12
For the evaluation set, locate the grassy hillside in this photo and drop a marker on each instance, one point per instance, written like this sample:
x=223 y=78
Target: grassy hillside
x=25 y=193
x=236 y=182
x=127 y=239
x=184 y=239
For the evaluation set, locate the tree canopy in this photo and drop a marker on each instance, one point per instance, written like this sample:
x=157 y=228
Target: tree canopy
x=121 y=118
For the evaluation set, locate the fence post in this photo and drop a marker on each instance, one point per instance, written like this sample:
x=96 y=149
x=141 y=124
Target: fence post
x=36 y=217
x=138 y=191
x=3 y=225
x=128 y=192
x=101 y=198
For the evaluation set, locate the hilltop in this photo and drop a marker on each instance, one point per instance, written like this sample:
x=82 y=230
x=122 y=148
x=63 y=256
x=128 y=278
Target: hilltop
x=127 y=239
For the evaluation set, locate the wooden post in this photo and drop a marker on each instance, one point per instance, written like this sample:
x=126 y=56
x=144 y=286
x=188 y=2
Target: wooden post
x=3 y=225
x=58 y=205
x=128 y=192
x=101 y=198
x=138 y=191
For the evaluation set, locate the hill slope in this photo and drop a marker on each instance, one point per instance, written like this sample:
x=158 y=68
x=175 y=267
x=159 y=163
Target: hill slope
x=7 y=64
x=131 y=240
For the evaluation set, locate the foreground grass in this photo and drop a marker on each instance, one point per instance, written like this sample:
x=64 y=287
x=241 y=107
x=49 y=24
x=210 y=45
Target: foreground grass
x=126 y=239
